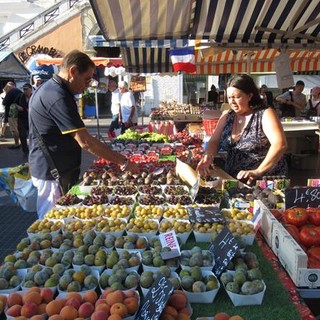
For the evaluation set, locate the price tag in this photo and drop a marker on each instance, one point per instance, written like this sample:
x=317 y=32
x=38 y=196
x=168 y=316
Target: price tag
x=205 y=215
x=304 y=197
x=224 y=247
x=156 y=299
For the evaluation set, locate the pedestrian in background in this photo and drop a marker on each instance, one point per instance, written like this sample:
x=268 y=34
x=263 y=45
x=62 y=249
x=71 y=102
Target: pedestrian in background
x=213 y=95
x=37 y=82
x=53 y=113
x=313 y=105
x=293 y=102
x=115 y=107
x=128 y=112
x=3 y=124
x=11 y=99
x=266 y=96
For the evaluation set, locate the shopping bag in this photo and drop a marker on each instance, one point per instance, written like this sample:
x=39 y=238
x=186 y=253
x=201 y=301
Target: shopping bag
x=26 y=194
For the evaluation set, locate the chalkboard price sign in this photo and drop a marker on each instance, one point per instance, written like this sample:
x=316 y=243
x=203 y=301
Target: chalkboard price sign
x=205 y=215
x=303 y=197
x=156 y=299
x=224 y=247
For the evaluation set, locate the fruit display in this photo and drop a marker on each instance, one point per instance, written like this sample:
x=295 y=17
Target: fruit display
x=117 y=211
x=79 y=226
x=152 y=260
x=148 y=277
x=182 y=228
x=200 y=286
x=149 y=199
x=175 y=212
x=149 y=212
x=132 y=242
x=44 y=226
x=237 y=214
x=107 y=226
x=68 y=200
x=147 y=227
x=122 y=200
x=207 y=195
x=10 y=277
x=118 y=279
x=196 y=257
x=177 y=307
x=245 y=279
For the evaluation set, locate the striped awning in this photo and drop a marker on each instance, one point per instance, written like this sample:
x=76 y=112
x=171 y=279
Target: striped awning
x=98 y=61
x=233 y=22
x=244 y=61
x=146 y=29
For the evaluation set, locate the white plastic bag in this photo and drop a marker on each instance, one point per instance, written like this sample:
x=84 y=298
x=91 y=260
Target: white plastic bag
x=26 y=194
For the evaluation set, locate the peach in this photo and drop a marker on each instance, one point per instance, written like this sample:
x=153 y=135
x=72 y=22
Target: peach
x=29 y=309
x=69 y=313
x=38 y=317
x=132 y=305
x=90 y=296
x=103 y=306
x=73 y=302
x=14 y=298
x=99 y=315
x=14 y=311
x=47 y=295
x=55 y=317
x=53 y=307
x=120 y=309
x=222 y=316
x=86 y=310
x=32 y=296
x=114 y=297
x=115 y=317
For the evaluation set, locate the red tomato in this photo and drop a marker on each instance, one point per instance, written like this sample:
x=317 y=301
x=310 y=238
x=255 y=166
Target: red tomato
x=296 y=216
x=314 y=252
x=313 y=263
x=309 y=236
x=314 y=216
x=277 y=214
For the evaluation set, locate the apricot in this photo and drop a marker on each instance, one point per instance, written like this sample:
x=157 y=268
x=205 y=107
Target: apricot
x=132 y=304
x=55 y=317
x=69 y=313
x=186 y=311
x=34 y=289
x=14 y=311
x=86 y=310
x=170 y=310
x=47 y=295
x=29 y=309
x=236 y=317
x=103 y=306
x=221 y=316
x=13 y=299
x=114 y=317
x=73 y=302
x=3 y=298
x=131 y=293
x=38 y=317
x=178 y=300
x=75 y=295
x=100 y=315
x=32 y=296
x=53 y=307
x=42 y=308
x=114 y=297
x=120 y=309
x=90 y=296
x=105 y=293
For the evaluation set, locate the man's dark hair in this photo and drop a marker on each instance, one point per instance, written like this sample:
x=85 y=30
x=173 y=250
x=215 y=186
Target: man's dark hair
x=300 y=83
x=79 y=59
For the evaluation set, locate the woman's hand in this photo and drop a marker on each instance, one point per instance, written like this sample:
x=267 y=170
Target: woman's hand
x=249 y=175
x=203 y=166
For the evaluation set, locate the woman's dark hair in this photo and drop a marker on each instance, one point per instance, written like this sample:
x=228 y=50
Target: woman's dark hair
x=79 y=59
x=246 y=84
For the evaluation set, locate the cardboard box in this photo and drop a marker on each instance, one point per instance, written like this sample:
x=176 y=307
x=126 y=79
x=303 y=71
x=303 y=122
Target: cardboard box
x=267 y=222
x=293 y=258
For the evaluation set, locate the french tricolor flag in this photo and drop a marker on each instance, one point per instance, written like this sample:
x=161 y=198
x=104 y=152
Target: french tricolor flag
x=183 y=60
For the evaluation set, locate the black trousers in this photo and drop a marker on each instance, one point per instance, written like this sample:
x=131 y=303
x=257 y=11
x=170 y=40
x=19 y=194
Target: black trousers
x=23 y=128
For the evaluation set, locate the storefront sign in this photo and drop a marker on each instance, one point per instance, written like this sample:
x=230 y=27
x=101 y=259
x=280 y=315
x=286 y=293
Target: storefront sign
x=138 y=84
x=25 y=55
